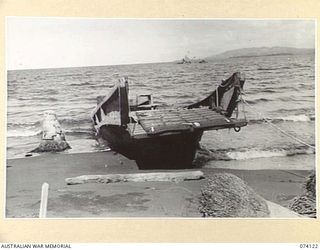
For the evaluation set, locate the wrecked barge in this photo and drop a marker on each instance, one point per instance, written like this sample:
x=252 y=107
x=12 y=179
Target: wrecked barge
x=165 y=138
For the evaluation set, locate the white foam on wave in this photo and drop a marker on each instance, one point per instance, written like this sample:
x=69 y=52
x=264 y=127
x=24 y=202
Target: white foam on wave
x=296 y=118
x=85 y=146
x=290 y=118
x=22 y=132
x=256 y=153
x=252 y=154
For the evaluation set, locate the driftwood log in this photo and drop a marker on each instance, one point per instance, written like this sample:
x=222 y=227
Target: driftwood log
x=137 y=177
x=53 y=138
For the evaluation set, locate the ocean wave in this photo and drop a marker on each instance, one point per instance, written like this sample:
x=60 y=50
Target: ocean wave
x=271 y=68
x=29 y=132
x=49 y=99
x=164 y=77
x=22 y=133
x=253 y=91
x=79 y=131
x=268 y=90
x=253 y=153
x=297 y=110
x=69 y=75
x=292 y=118
x=63 y=121
x=301 y=65
x=298 y=118
x=266 y=153
x=274 y=98
x=52 y=92
x=23 y=124
x=255 y=101
x=287 y=99
x=264 y=87
x=80 y=84
x=70 y=121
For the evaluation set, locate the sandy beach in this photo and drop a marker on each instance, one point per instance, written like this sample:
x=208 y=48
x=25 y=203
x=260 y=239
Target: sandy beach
x=145 y=199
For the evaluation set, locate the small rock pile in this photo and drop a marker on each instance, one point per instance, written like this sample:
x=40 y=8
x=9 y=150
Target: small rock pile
x=51 y=146
x=226 y=195
x=305 y=204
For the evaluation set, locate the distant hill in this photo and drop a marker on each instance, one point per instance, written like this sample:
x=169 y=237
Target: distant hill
x=262 y=51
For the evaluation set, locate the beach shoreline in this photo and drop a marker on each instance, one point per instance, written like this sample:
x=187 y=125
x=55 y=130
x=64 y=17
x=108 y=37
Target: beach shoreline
x=24 y=177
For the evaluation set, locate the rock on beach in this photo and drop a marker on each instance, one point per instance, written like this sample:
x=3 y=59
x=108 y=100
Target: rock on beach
x=226 y=195
x=53 y=138
x=305 y=204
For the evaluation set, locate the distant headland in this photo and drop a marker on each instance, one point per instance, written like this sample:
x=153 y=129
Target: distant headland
x=261 y=51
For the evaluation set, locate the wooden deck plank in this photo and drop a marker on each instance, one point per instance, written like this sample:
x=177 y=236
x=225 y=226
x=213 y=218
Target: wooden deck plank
x=181 y=116
x=163 y=120
x=154 y=121
x=205 y=126
x=200 y=116
x=148 y=113
x=182 y=119
x=156 y=115
x=203 y=123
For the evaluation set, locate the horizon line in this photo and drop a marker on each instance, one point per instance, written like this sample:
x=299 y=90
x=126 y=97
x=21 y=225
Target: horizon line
x=137 y=63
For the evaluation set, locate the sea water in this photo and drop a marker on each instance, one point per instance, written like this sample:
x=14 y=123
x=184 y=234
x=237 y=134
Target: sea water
x=279 y=88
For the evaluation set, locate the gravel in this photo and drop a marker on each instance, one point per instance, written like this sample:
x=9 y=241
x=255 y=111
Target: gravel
x=226 y=195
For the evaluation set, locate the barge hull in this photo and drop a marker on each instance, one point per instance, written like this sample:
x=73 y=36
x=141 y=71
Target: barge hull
x=164 y=152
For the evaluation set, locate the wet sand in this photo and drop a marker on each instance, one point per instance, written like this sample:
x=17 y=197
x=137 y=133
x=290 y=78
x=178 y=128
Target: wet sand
x=149 y=199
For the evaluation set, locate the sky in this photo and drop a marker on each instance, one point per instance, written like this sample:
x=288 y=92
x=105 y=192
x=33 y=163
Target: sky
x=72 y=42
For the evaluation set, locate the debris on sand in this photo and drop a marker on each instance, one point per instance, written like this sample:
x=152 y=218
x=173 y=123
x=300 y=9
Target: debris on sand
x=53 y=138
x=204 y=155
x=226 y=195
x=305 y=204
x=137 y=177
